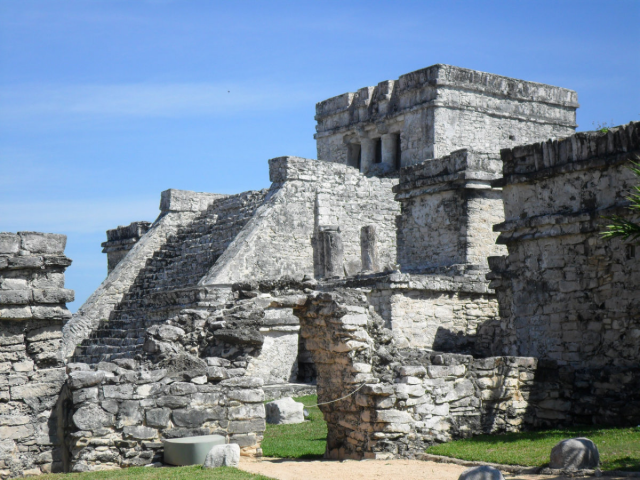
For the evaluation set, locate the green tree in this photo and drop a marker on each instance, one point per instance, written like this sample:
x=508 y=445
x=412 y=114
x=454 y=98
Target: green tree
x=621 y=227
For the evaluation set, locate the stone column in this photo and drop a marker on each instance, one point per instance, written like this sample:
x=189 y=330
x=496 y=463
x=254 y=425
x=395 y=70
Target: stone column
x=32 y=371
x=369 y=248
x=122 y=239
x=390 y=149
x=333 y=258
x=368 y=146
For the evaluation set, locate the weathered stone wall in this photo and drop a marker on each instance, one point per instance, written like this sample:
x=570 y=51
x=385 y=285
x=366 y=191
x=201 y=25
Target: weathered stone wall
x=118 y=417
x=583 y=395
x=435 y=111
x=32 y=313
x=568 y=296
x=405 y=399
x=565 y=293
x=198 y=372
x=120 y=240
x=448 y=210
x=444 y=321
x=454 y=312
x=283 y=239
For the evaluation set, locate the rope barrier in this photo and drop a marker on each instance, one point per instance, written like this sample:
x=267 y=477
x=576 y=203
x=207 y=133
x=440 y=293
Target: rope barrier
x=338 y=399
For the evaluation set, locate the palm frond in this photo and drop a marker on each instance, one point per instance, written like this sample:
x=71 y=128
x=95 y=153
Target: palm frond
x=622 y=227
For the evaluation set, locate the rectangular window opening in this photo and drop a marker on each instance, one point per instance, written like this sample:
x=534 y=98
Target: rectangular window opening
x=398 y=153
x=378 y=150
x=354 y=155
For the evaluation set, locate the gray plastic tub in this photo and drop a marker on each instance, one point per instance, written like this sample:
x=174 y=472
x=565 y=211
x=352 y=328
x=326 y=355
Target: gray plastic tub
x=190 y=450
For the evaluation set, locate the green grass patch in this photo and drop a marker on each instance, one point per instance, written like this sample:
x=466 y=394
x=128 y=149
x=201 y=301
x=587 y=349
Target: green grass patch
x=195 y=472
x=619 y=447
x=302 y=440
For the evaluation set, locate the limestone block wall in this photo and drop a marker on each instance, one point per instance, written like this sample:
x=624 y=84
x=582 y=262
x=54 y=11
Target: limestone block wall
x=118 y=416
x=450 y=313
x=403 y=399
x=565 y=293
x=122 y=239
x=448 y=210
x=32 y=313
x=432 y=112
x=584 y=395
x=282 y=239
x=439 y=320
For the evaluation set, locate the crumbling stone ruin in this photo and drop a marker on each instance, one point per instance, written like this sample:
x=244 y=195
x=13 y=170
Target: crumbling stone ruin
x=432 y=112
x=32 y=367
x=437 y=273
x=567 y=296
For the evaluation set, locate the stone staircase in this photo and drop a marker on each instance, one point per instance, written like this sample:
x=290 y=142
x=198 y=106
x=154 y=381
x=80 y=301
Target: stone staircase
x=169 y=281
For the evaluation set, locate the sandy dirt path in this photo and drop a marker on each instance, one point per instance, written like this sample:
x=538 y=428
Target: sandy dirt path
x=367 y=469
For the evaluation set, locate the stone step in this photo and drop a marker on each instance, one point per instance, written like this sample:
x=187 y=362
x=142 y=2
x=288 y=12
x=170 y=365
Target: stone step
x=162 y=286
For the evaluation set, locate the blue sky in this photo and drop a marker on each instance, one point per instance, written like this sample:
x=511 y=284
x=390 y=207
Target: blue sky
x=105 y=103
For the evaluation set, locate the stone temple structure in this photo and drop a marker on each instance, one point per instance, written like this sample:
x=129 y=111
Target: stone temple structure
x=439 y=264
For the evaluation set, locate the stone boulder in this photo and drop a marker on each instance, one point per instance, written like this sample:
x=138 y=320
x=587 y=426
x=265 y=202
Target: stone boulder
x=83 y=379
x=483 y=472
x=575 y=454
x=223 y=456
x=284 y=411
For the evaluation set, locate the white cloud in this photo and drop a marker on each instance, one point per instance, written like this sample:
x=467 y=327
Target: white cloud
x=80 y=216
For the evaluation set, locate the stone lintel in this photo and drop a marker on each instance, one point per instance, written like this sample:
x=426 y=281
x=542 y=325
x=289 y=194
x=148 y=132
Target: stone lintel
x=462 y=169
x=127 y=234
x=558 y=224
x=33 y=262
x=472 y=281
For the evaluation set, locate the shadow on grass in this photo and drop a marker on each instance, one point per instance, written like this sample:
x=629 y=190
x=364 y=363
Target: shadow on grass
x=625 y=464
